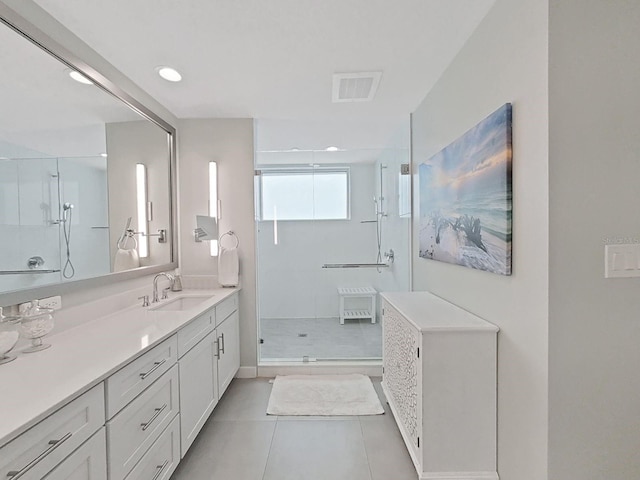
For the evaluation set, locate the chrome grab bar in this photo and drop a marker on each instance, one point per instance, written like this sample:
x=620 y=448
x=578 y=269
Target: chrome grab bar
x=23 y=272
x=16 y=474
x=152 y=419
x=355 y=265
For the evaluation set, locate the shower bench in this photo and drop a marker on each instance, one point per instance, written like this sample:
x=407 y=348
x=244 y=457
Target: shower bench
x=368 y=312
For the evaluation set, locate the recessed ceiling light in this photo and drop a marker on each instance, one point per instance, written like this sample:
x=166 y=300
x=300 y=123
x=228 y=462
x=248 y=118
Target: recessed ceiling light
x=78 y=77
x=103 y=155
x=332 y=149
x=170 y=74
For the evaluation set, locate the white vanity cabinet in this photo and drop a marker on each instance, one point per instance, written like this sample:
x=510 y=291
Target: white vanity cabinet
x=440 y=379
x=143 y=408
x=210 y=357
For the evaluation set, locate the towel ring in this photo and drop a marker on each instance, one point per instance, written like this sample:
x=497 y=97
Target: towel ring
x=230 y=234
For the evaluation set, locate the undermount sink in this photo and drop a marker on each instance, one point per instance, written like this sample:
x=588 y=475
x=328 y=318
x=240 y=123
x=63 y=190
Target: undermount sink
x=180 y=304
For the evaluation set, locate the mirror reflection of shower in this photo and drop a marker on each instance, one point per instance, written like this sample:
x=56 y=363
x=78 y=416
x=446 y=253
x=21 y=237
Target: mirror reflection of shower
x=67 y=211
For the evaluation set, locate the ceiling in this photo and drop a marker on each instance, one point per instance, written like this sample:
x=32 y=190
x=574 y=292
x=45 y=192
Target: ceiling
x=274 y=59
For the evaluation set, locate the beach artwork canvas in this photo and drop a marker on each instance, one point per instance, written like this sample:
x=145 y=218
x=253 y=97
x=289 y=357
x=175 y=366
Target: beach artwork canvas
x=465 y=198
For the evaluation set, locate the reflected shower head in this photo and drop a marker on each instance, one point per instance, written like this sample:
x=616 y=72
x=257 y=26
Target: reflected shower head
x=67 y=206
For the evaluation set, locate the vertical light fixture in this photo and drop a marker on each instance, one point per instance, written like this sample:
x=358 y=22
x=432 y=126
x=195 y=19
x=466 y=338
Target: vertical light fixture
x=141 y=195
x=213 y=202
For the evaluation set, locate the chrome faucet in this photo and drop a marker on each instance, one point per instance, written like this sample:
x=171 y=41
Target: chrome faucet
x=155 y=284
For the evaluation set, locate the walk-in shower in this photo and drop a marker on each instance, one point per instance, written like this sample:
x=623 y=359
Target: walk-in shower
x=324 y=251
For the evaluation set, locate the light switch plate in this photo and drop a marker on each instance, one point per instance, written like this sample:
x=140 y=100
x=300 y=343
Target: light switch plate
x=622 y=261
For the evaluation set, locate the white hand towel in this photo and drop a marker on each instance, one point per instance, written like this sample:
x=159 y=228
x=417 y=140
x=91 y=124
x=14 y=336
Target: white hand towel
x=228 y=267
x=126 y=260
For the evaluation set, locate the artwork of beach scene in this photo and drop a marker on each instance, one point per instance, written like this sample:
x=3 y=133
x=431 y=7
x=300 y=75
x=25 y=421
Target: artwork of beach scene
x=465 y=198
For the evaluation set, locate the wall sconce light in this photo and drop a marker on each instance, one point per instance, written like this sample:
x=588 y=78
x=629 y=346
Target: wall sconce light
x=214 y=210
x=142 y=205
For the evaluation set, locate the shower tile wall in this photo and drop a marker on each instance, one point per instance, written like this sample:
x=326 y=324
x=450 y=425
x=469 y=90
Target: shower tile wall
x=29 y=202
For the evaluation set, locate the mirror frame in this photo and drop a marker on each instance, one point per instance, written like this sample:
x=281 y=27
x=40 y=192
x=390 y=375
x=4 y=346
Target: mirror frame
x=33 y=34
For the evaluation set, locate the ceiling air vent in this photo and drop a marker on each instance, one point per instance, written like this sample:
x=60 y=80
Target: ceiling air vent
x=355 y=87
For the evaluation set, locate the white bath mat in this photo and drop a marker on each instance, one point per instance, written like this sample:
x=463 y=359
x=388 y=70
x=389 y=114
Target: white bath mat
x=323 y=395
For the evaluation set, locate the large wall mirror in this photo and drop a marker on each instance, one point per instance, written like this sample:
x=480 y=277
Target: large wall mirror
x=85 y=174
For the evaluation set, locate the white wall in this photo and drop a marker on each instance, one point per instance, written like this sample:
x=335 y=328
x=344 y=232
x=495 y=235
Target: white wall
x=594 y=344
x=229 y=142
x=505 y=60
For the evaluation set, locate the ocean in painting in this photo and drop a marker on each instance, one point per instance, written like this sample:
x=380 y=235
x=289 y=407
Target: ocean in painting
x=465 y=198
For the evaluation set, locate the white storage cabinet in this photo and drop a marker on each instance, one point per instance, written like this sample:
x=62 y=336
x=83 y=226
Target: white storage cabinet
x=439 y=377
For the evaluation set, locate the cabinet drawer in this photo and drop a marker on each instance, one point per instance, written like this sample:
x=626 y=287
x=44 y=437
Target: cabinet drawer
x=194 y=331
x=132 y=431
x=226 y=308
x=89 y=462
x=162 y=458
x=37 y=451
x=128 y=382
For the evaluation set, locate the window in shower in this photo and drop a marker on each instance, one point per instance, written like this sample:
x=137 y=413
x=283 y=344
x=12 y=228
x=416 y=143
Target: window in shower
x=304 y=194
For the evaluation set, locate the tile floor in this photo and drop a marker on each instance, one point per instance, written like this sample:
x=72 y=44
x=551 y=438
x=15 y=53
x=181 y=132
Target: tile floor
x=240 y=442
x=319 y=338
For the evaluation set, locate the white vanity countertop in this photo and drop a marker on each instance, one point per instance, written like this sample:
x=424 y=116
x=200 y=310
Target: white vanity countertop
x=429 y=312
x=36 y=384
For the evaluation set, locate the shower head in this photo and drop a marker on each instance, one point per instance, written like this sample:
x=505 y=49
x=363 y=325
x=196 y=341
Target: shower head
x=67 y=206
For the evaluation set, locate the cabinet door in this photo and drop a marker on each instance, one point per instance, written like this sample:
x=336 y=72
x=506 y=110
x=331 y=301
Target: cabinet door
x=229 y=345
x=402 y=373
x=198 y=388
x=89 y=462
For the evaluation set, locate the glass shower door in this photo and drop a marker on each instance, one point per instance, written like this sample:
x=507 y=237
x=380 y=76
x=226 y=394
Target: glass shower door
x=321 y=231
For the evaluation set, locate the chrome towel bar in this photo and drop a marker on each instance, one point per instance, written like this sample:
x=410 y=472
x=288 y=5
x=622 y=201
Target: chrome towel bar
x=24 y=272
x=355 y=265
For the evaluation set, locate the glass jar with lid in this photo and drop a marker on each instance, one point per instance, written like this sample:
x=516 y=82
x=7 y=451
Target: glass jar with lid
x=35 y=323
x=9 y=334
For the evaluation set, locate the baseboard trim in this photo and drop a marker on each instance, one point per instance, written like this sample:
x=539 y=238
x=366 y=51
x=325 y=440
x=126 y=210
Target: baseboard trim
x=459 y=476
x=247 y=372
x=270 y=371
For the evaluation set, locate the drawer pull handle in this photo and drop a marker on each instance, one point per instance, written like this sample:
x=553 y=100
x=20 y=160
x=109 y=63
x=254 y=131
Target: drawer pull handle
x=53 y=444
x=152 y=419
x=156 y=365
x=217 y=354
x=160 y=468
x=222 y=337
